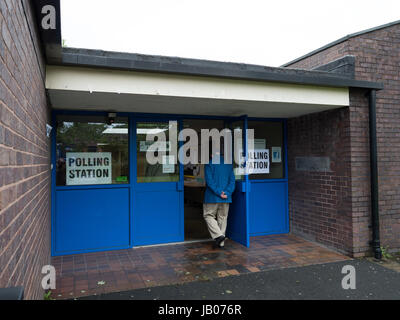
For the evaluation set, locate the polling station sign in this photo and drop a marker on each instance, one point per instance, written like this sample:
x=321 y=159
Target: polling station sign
x=258 y=162
x=86 y=168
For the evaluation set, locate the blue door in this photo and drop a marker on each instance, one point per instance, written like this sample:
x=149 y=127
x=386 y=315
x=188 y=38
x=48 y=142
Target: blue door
x=157 y=195
x=238 y=218
x=268 y=210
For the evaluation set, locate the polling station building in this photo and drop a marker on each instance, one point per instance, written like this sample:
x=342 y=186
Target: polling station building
x=73 y=124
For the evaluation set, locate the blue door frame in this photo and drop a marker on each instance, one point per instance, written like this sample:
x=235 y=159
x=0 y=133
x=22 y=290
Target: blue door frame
x=238 y=217
x=123 y=235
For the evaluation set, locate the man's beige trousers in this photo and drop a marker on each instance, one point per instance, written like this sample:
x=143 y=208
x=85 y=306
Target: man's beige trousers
x=216 y=216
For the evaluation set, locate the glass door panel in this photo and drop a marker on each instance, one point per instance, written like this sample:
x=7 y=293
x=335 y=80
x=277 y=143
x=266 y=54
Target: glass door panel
x=167 y=168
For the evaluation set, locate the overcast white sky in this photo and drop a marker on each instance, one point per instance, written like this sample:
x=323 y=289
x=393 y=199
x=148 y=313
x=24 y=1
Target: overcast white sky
x=251 y=31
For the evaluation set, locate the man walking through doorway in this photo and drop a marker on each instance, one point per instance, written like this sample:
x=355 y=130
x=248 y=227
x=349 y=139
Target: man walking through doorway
x=220 y=184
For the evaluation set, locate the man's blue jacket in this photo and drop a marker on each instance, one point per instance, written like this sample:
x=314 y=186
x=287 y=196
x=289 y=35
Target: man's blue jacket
x=219 y=177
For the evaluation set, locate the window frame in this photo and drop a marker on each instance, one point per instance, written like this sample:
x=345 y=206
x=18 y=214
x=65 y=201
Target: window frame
x=90 y=115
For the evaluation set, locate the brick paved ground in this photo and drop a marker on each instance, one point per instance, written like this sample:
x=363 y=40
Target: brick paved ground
x=113 y=271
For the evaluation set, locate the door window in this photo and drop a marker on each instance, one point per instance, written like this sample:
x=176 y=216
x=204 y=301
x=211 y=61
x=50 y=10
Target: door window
x=166 y=169
x=268 y=156
x=238 y=149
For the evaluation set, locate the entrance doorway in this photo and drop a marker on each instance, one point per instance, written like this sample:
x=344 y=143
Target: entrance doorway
x=194 y=185
x=107 y=195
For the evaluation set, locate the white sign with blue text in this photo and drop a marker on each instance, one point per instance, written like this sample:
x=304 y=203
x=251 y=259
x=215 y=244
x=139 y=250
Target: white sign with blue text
x=88 y=168
x=257 y=162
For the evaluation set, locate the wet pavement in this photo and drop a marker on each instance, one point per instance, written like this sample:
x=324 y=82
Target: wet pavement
x=316 y=282
x=147 y=267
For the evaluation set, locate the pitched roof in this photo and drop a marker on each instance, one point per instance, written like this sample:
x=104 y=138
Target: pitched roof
x=343 y=39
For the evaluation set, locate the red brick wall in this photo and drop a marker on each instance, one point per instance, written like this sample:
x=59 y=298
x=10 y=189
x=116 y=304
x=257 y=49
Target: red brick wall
x=377 y=59
x=320 y=206
x=24 y=152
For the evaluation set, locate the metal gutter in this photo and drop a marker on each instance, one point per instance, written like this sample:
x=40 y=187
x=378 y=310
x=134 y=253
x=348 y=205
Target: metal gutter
x=374 y=176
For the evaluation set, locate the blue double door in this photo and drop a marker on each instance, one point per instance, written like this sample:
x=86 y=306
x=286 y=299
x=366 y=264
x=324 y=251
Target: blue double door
x=157 y=193
x=149 y=208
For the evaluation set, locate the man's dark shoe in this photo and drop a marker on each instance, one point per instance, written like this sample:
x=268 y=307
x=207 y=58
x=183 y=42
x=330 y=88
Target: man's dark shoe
x=219 y=240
